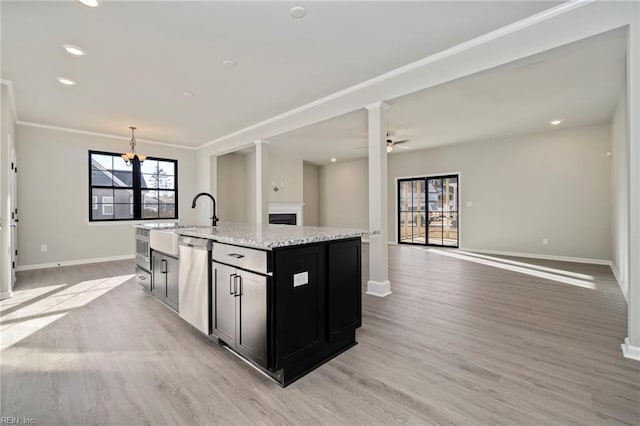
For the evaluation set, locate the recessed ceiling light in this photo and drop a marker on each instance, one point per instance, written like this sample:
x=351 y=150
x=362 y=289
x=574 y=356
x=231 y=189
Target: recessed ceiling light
x=66 y=81
x=188 y=94
x=229 y=63
x=90 y=3
x=297 y=12
x=333 y=160
x=555 y=122
x=74 y=50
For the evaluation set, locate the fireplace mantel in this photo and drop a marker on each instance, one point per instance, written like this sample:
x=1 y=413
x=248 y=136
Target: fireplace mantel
x=293 y=208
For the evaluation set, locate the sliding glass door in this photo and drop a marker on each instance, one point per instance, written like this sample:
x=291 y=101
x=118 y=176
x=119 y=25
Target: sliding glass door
x=428 y=211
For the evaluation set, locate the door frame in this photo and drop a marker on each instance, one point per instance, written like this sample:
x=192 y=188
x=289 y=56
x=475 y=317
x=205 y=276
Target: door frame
x=13 y=218
x=396 y=207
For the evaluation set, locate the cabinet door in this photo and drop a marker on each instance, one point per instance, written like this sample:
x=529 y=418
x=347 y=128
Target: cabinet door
x=251 y=314
x=159 y=279
x=172 y=282
x=224 y=302
x=345 y=289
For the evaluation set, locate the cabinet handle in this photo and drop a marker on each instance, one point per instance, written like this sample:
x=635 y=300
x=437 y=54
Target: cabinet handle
x=232 y=286
x=164 y=266
x=238 y=293
x=241 y=285
x=235 y=285
x=236 y=255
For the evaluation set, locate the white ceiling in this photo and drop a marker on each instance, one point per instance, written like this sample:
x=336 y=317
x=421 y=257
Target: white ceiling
x=142 y=57
x=579 y=83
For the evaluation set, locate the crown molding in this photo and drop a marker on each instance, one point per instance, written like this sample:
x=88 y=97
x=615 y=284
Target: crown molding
x=104 y=135
x=12 y=98
x=413 y=66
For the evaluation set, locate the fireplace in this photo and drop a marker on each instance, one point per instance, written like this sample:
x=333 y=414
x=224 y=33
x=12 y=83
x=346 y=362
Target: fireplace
x=282 y=218
x=286 y=213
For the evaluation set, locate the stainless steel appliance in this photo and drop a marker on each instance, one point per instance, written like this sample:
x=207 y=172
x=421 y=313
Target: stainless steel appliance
x=239 y=300
x=143 y=258
x=194 y=282
x=143 y=249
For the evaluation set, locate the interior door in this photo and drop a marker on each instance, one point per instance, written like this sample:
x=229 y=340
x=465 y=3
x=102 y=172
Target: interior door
x=13 y=208
x=251 y=311
x=224 y=302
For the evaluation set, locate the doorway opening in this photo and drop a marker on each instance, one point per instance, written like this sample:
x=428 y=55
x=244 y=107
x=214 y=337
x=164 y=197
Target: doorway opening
x=428 y=211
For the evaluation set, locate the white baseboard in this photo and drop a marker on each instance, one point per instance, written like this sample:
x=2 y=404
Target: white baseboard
x=379 y=288
x=73 y=262
x=616 y=275
x=631 y=352
x=540 y=256
x=6 y=295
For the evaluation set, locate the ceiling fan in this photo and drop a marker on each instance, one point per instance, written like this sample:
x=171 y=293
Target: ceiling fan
x=391 y=144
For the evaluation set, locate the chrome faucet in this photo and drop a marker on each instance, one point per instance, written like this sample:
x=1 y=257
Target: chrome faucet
x=214 y=219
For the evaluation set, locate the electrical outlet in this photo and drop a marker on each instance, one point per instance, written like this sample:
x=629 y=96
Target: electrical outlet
x=545 y=241
x=43 y=247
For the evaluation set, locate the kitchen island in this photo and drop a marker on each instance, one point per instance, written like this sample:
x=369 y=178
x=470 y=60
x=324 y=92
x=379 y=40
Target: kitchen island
x=285 y=298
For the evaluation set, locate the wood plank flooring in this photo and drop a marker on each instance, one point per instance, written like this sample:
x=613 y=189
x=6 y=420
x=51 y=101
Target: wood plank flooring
x=461 y=340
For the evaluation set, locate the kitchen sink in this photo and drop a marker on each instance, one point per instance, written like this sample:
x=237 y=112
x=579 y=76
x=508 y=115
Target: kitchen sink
x=165 y=241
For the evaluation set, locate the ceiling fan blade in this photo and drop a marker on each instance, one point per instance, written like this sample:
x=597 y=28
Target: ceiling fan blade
x=399 y=142
x=362 y=147
x=404 y=147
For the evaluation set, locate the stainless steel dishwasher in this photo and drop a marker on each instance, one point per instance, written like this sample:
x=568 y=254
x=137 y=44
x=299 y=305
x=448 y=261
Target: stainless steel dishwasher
x=194 y=282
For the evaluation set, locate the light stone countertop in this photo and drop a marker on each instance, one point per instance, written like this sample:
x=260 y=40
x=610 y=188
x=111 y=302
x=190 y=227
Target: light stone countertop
x=270 y=236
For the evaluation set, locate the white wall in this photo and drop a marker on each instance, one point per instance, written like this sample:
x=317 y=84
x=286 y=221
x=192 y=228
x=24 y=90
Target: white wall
x=232 y=176
x=344 y=194
x=8 y=131
x=553 y=185
x=285 y=169
x=53 y=188
x=310 y=194
x=620 y=195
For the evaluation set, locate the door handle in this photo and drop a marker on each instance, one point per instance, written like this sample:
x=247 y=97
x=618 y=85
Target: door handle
x=239 y=293
x=232 y=286
x=235 y=285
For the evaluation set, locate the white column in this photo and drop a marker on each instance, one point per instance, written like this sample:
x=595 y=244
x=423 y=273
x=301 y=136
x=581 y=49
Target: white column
x=262 y=182
x=631 y=345
x=378 y=284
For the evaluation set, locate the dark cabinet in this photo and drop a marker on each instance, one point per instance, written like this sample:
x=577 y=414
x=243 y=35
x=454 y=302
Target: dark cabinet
x=165 y=278
x=240 y=311
x=344 y=291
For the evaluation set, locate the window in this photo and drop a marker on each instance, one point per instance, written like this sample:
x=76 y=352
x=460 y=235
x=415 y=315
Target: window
x=145 y=190
x=435 y=225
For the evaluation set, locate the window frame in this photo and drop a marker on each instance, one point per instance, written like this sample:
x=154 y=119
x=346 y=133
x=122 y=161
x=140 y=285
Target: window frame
x=136 y=188
x=399 y=211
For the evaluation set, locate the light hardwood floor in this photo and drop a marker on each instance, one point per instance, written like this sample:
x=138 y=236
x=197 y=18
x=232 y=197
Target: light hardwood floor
x=460 y=341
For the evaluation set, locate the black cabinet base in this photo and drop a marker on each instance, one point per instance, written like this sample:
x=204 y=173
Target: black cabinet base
x=294 y=371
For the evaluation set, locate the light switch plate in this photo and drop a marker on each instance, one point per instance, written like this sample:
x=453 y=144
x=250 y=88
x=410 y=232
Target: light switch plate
x=301 y=278
x=469 y=203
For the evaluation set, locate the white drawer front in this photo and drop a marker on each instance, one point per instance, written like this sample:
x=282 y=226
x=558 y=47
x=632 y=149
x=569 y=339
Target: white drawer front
x=242 y=257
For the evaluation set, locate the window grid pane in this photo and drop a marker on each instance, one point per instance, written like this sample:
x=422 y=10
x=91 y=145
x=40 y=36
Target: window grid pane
x=116 y=188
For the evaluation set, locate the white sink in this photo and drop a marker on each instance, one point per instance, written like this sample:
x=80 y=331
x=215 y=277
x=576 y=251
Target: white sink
x=165 y=241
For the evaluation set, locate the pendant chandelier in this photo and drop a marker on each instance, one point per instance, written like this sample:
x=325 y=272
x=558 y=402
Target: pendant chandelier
x=129 y=156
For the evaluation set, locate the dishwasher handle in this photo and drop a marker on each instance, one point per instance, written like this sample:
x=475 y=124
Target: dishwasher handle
x=195 y=243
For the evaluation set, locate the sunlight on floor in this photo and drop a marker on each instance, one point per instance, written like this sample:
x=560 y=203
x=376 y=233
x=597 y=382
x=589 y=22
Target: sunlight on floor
x=526 y=269
x=528 y=265
x=35 y=315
